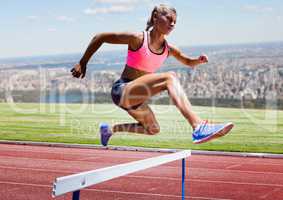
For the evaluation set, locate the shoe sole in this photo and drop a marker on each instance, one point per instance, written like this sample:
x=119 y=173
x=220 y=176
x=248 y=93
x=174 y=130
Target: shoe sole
x=218 y=134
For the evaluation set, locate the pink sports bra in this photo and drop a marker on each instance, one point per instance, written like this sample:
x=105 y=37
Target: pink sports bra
x=144 y=59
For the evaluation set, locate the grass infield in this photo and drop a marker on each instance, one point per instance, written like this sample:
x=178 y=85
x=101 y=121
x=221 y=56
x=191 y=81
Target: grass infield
x=254 y=131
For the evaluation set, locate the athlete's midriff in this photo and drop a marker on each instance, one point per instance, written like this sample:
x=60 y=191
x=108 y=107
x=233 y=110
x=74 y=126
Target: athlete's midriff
x=132 y=73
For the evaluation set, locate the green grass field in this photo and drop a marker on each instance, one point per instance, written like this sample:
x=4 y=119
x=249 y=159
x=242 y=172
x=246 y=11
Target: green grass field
x=254 y=131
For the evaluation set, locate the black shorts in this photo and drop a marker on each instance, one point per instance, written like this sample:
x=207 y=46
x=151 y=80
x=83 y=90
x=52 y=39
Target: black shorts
x=117 y=91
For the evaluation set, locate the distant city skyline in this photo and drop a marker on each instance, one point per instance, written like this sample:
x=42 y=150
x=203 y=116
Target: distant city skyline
x=31 y=28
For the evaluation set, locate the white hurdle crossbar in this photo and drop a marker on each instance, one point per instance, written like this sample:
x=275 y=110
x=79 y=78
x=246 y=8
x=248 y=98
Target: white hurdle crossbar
x=74 y=183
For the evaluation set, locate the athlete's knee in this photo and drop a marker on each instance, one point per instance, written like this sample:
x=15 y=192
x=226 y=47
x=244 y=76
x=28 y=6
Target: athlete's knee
x=171 y=78
x=171 y=75
x=153 y=129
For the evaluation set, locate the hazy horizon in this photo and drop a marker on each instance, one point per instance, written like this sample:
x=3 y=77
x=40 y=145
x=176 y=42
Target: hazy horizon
x=105 y=50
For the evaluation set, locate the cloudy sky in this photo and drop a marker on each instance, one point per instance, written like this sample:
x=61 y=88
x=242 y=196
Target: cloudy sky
x=34 y=27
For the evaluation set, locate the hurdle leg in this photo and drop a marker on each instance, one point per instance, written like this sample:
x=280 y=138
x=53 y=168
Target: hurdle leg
x=183 y=177
x=76 y=195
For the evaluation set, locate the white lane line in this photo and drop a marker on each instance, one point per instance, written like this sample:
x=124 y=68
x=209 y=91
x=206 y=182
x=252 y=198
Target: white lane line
x=99 y=153
x=39 y=170
x=270 y=193
x=245 y=161
x=233 y=166
x=2 y=158
x=113 y=191
x=237 y=171
x=238 y=183
x=25 y=184
x=151 y=194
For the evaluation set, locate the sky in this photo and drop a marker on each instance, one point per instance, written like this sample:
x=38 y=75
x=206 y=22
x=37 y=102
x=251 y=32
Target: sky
x=33 y=27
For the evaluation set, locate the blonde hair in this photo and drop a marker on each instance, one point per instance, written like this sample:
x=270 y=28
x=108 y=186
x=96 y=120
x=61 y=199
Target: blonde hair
x=162 y=8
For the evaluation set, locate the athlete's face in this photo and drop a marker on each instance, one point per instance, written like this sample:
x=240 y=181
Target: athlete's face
x=165 y=22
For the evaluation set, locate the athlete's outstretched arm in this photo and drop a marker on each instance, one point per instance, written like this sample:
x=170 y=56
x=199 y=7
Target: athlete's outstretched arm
x=174 y=51
x=79 y=70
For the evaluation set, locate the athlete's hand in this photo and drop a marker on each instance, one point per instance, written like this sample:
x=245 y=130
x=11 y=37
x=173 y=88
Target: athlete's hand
x=203 y=59
x=79 y=71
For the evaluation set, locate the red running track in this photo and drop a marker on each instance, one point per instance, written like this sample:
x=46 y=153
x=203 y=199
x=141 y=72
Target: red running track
x=27 y=173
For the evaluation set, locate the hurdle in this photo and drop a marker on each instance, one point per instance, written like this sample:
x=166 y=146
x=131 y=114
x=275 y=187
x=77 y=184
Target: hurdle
x=74 y=183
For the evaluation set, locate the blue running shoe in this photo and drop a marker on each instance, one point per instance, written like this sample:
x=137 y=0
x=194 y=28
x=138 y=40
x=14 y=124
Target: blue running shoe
x=206 y=132
x=105 y=133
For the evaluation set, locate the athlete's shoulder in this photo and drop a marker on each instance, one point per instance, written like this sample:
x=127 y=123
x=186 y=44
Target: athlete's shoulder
x=137 y=40
x=173 y=50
